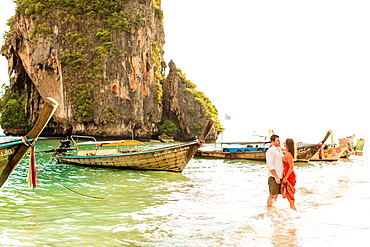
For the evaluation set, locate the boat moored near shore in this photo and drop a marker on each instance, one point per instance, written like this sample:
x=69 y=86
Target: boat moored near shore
x=169 y=158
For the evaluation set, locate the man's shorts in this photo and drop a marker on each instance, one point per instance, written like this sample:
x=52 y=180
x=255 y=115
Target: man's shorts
x=274 y=188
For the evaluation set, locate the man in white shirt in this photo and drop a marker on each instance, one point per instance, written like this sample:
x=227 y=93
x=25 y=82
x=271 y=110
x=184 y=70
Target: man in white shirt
x=274 y=160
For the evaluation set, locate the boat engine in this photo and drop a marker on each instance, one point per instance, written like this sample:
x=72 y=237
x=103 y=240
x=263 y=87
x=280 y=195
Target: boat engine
x=64 y=146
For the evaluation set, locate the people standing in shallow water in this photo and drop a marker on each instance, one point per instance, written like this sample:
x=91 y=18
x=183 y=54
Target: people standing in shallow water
x=274 y=161
x=289 y=177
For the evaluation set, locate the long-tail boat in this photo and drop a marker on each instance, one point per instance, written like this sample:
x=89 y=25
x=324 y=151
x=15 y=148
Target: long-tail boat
x=329 y=154
x=257 y=151
x=307 y=152
x=304 y=153
x=351 y=147
x=169 y=158
x=359 y=148
x=236 y=150
x=326 y=153
x=11 y=153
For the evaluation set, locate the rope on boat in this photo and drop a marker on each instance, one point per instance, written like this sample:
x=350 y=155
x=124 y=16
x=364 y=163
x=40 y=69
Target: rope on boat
x=32 y=172
x=95 y=197
x=27 y=141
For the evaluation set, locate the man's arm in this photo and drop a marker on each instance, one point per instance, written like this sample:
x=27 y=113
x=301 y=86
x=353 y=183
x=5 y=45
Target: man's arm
x=277 y=179
x=271 y=167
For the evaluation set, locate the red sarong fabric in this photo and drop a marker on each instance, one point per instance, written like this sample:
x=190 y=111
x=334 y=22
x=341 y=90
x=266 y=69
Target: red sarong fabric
x=287 y=189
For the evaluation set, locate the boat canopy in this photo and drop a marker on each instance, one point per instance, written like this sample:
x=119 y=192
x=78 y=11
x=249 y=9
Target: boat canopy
x=112 y=143
x=108 y=143
x=244 y=143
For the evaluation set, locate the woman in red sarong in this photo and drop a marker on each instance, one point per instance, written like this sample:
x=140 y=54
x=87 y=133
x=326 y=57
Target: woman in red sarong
x=288 y=183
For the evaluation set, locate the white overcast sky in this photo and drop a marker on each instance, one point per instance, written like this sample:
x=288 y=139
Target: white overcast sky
x=297 y=67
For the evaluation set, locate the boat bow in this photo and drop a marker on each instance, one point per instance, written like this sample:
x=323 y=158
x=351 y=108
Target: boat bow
x=17 y=149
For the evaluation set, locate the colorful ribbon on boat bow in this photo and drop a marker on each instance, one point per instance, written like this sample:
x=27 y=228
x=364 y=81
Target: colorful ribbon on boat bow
x=32 y=172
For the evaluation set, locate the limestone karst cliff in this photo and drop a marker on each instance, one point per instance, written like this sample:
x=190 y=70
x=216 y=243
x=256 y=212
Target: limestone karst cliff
x=103 y=62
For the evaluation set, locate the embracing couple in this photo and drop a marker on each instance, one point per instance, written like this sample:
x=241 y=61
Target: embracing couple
x=281 y=175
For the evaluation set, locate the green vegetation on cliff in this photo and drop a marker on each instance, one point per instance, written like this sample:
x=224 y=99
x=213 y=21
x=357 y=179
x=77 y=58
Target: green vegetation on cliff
x=13 y=109
x=104 y=59
x=210 y=110
x=167 y=127
x=109 y=11
x=87 y=45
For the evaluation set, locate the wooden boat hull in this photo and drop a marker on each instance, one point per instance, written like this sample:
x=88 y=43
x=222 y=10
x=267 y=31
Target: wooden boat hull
x=11 y=153
x=330 y=154
x=347 y=141
x=306 y=152
x=170 y=158
x=251 y=155
x=8 y=149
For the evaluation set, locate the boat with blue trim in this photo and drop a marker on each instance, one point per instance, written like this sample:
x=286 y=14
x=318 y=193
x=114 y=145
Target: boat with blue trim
x=236 y=150
x=255 y=150
x=169 y=158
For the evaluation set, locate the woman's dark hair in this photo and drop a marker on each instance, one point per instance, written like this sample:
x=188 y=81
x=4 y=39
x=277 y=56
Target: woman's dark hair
x=290 y=146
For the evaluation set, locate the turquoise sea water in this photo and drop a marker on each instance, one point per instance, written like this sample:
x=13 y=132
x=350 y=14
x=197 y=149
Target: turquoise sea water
x=211 y=203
